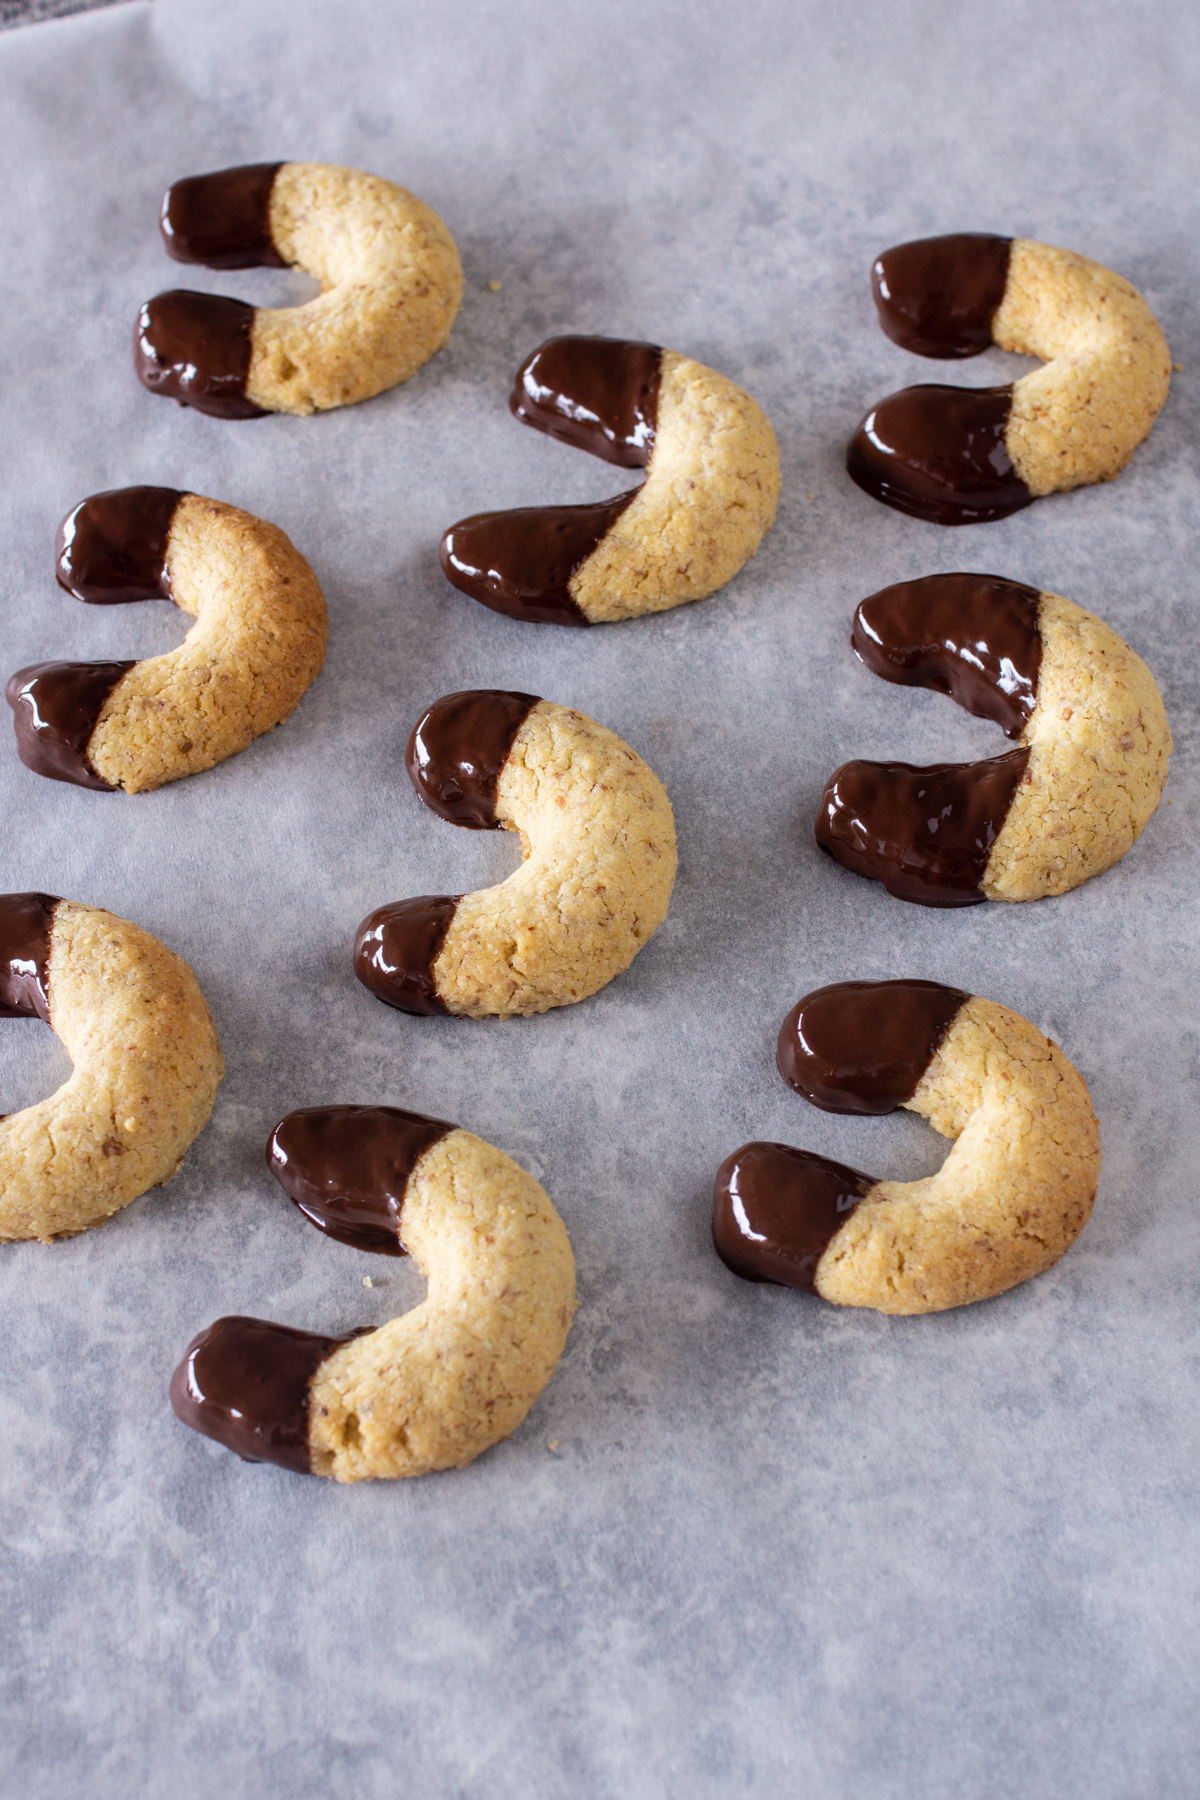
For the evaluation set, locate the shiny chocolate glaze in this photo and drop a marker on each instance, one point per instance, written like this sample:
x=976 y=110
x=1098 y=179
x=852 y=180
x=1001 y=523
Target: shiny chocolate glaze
x=938 y=296
x=519 y=563
x=863 y=1046
x=458 y=748
x=938 y=453
x=974 y=637
x=347 y=1169
x=113 y=547
x=776 y=1209
x=222 y=220
x=926 y=834
x=598 y=394
x=195 y=348
x=55 y=709
x=245 y=1383
x=25 y=922
x=396 y=947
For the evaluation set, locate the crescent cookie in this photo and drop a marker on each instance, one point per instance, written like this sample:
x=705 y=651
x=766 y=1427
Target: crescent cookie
x=391 y=284
x=599 y=841
x=435 y=1387
x=709 y=497
x=1065 y=806
x=147 y=1065
x=258 y=642
x=957 y=455
x=1010 y=1199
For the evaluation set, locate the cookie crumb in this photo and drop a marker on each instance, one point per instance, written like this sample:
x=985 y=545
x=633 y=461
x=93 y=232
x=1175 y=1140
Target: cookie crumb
x=554 y=1443
x=1178 y=368
x=495 y=286
x=367 y=1282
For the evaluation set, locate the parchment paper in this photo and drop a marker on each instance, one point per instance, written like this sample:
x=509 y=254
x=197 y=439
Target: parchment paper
x=746 y=1543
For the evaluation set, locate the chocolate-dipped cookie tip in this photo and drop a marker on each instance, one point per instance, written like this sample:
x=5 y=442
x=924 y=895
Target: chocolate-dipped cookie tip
x=245 y=1383
x=112 y=548
x=25 y=921
x=195 y=348
x=939 y=453
x=458 y=748
x=56 y=706
x=863 y=1046
x=974 y=637
x=925 y=833
x=776 y=1210
x=223 y=219
x=520 y=562
x=395 y=949
x=347 y=1169
x=938 y=296
x=599 y=394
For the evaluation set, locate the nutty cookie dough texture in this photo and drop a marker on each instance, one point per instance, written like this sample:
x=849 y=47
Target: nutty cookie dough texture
x=257 y=645
x=146 y=1065
x=435 y=1387
x=600 y=860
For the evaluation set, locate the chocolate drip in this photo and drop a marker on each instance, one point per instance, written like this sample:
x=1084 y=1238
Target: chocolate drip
x=396 y=947
x=775 y=1211
x=938 y=296
x=938 y=453
x=974 y=637
x=55 y=709
x=25 y=922
x=195 y=348
x=519 y=563
x=113 y=547
x=347 y=1168
x=926 y=834
x=245 y=1383
x=598 y=394
x=458 y=748
x=863 y=1046
x=224 y=219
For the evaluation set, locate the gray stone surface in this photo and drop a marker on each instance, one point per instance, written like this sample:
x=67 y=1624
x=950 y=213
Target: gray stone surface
x=778 y=1549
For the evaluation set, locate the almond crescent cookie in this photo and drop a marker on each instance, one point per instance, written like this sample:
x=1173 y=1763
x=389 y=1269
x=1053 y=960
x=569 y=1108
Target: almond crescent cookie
x=1009 y=1200
x=256 y=647
x=391 y=284
x=442 y=1383
x=959 y=455
x=599 y=840
x=147 y=1064
x=1077 y=794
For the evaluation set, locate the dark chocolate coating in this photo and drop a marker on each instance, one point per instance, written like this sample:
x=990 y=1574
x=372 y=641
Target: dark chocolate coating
x=347 y=1169
x=195 y=348
x=938 y=296
x=926 y=834
x=395 y=949
x=458 y=748
x=222 y=220
x=863 y=1046
x=974 y=637
x=55 y=709
x=937 y=453
x=598 y=394
x=776 y=1209
x=25 y=922
x=113 y=547
x=519 y=562
x=245 y=1383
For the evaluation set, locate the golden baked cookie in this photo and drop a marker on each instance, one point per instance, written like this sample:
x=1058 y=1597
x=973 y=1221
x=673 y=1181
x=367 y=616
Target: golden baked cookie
x=391 y=284
x=1077 y=794
x=599 y=841
x=435 y=1387
x=258 y=642
x=709 y=497
x=146 y=1065
x=959 y=455
x=1010 y=1199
